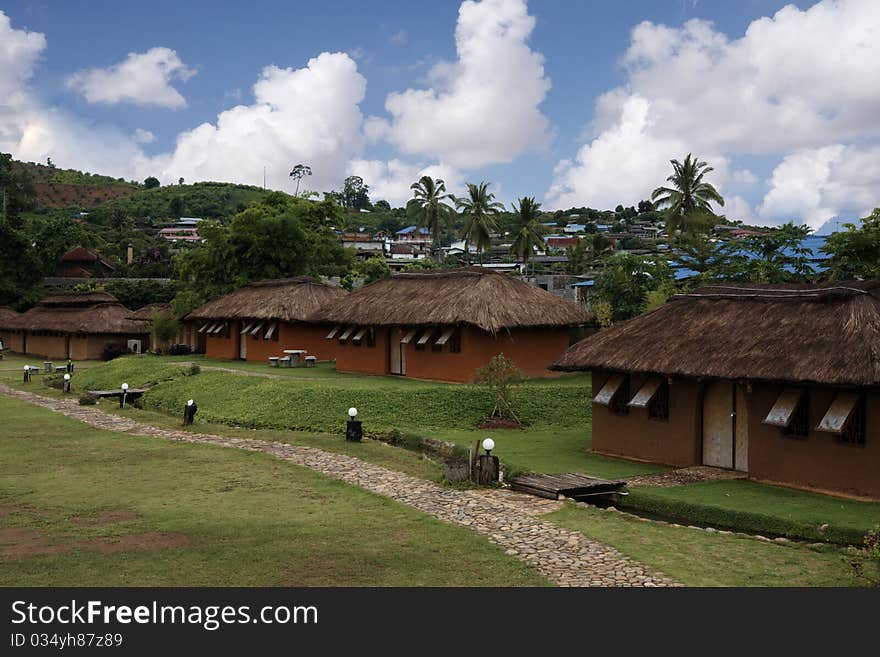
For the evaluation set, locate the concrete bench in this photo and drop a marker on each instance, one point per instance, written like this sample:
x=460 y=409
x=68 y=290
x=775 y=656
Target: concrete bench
x=311 y=361
x=273 y=361
x=284 y=362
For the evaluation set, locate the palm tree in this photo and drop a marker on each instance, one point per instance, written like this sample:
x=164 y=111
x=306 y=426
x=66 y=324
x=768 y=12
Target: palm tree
x=527 y=231
x=429 y=205
x=478 y=208
x=688 y=201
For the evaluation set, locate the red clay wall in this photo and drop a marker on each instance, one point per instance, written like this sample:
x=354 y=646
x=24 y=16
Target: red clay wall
x=677 y=441
x=292 y=336
x=819 y=461
x=216 y=346
x=12 y=341
x=47 y=346
x=532 y=351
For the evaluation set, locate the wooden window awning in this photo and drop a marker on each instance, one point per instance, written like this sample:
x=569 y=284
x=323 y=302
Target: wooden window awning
x=357 y=336
x=444 y=338
x=606 y=394
x=247 y=328
x=257 y=328
x=406 y=339
x=220 y=327
x=647 y=392
x=835 y=418
x=271 y=330
x=332 y=334
x=783 y=410
x=346 y=333
x=204 y=326
x=425 y=337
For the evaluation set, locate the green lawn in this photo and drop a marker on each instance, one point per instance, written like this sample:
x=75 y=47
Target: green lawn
x=80 y=506
x=699 y=558
x=761 y=508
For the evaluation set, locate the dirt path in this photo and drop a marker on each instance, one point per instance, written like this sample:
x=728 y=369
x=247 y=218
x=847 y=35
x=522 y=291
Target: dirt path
x=564 y=557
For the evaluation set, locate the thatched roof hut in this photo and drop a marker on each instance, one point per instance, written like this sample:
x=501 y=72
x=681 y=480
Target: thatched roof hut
x=145 y=314
x=486 y=299
x=81 y=312
x=286 y=299
x=8 y=318
x=827 y=334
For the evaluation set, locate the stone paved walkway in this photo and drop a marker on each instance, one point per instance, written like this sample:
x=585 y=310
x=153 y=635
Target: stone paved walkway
x=564 y=557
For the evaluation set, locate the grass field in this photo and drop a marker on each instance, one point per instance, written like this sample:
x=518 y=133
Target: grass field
x=80 y=506
x=699 y=558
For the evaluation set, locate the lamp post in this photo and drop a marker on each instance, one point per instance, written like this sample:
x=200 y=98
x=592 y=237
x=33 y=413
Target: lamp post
x=353 y=430
x=27 y=374
x=489 y=465
x=65 y=387
x=123 y=395
x=189 y=412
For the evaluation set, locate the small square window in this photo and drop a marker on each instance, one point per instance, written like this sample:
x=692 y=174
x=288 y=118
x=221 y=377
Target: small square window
x=854 y=431
x=658 y=407
x=799 y=425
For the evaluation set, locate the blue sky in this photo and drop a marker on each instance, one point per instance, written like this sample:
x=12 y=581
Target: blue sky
x=581 y=118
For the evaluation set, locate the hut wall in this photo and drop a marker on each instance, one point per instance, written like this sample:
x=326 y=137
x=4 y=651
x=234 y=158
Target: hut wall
x=818 y=461
x=676 y=441
x=218 y=346
x=310 y=337
x=12 y=341
x=369 y=360
x=47 y=346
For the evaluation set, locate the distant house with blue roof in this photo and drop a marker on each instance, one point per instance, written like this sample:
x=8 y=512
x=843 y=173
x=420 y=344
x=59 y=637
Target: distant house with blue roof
x=574 y=228
x=413 y=234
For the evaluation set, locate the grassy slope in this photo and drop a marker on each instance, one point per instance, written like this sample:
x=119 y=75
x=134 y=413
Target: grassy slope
x=250 y=519
x=763 y=508
x=699 y=558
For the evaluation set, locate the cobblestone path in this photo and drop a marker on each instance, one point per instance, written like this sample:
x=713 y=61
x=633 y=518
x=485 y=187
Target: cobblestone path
x=564 y=557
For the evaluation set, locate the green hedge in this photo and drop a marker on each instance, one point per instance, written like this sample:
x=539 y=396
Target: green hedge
x=658 y=502
x=321 y=406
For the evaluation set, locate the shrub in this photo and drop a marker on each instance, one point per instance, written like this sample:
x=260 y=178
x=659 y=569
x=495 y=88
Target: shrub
x=112 y=350
x=54 y=381
x=865 y=559
x=193 y=370
x=179 y=350
x=87 y=399
x=500 y=374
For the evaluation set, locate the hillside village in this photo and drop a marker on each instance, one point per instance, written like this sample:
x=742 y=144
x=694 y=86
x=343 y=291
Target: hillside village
x=206 y=383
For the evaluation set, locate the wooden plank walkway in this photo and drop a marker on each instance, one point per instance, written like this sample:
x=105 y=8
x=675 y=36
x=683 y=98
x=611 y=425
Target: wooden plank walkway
x=574 y=485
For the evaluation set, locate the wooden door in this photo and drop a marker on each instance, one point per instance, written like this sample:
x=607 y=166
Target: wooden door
x=741 y=430
x=718 y=420
x=396 y=364
x=242 y=344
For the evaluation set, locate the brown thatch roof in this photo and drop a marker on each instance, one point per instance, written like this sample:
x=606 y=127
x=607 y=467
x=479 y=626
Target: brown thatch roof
x=482 y=298
x=802 y=333
x=81 y=312
x=145 y=314
x=285 y=299
x=8 y=318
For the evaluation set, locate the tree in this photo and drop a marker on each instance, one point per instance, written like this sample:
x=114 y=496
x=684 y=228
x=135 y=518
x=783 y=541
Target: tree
x=478 y=210
x=689 y=201
x=20 y=272
x=163 y=329
x=527 y=230
x=356 y=194
x=627 y=280
x=180 y=181
x=430 y=206
x=777 y=256
x=382 y=206
x=299 y=172
x=500 y=374
x=17 y=191
x=151 y=182
x=855 y=252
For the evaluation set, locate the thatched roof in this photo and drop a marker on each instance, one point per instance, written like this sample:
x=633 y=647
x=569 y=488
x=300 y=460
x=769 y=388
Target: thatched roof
x=285 y=299
x=81 y=312
x=8 y=318
x=801 y=333
x=145 y=314
x=485 y=299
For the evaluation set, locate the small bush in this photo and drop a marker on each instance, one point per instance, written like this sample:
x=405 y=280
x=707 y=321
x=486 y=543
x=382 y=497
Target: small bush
x=112 y=351
x=87 y=399
x=179 y=350
x=193 y=370
x=54 y=381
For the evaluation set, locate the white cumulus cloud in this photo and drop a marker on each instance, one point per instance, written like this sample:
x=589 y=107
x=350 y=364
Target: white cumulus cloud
x=484 y=107
x=391 y=180
x=141 y=79
x=797 y=80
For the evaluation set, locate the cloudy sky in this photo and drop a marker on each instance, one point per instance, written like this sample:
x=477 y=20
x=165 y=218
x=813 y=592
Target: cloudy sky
x=576 y=103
